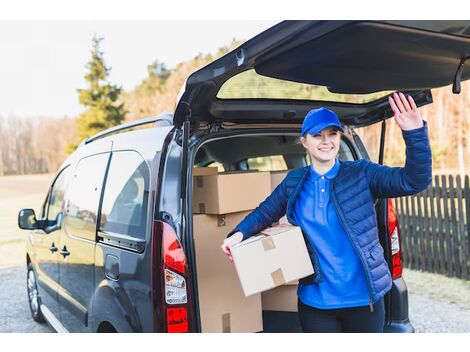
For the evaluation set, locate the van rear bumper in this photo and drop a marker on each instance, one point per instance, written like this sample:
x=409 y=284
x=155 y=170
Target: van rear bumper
x=398 y=304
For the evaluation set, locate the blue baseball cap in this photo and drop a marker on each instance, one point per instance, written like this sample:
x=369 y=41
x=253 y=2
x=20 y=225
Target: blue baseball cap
x=319 y=119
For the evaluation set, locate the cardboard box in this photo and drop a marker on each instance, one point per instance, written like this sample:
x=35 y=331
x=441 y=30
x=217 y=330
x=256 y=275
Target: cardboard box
x=230 y=192
x=274 y=257
x=222 y=303
x=203 y=171
x=281 y=299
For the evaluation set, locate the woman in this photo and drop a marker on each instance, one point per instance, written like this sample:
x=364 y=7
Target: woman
x=333 y=203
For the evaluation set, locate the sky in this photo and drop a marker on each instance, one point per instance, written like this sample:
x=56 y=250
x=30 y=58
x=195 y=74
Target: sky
x=42 y=63
x=45 y=45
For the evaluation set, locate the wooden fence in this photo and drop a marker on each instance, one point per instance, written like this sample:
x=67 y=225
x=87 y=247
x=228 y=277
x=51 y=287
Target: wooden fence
x=433 y=224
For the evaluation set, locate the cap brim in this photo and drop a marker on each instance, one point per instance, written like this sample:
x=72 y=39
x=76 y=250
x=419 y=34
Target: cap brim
x=322 y=126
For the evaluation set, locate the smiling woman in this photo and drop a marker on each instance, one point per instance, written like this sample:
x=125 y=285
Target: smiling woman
x=333 y=202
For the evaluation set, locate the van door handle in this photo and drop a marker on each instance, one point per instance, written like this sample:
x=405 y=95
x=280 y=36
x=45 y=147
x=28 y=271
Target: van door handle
x=53 y=248
x=64 y=252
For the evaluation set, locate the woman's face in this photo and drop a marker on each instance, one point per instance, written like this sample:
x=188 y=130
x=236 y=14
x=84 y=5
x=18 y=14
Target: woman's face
x=324 y=145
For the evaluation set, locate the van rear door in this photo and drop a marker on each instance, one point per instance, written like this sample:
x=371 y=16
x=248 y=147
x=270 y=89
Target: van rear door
x=348 y=66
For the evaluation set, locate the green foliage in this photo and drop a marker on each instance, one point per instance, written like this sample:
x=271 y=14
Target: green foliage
x=157 y=93
x=100 y=98
x=157 y=75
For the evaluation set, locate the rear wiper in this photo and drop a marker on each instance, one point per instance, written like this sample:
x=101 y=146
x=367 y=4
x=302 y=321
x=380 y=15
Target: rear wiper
x=458 y=76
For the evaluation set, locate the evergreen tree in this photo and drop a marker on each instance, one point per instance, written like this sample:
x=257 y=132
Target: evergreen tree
x=100 y=98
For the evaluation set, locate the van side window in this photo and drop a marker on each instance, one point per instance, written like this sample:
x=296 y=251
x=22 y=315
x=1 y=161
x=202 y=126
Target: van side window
x=84 y=196
x=124 y=209
x=56 y=200
x=267 y=163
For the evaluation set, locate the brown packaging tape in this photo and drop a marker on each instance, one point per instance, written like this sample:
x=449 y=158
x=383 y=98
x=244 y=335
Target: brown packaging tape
x=226 y=322
x=278 y=277
x=202 y=208
x=199 y=182
x=268 y=244
x=221 y=220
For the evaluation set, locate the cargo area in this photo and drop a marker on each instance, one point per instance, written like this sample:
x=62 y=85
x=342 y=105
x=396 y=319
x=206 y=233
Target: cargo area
x=230 y=178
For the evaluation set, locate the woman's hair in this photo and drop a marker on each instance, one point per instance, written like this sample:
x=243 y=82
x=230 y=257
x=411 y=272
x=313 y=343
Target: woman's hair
x=305 y=134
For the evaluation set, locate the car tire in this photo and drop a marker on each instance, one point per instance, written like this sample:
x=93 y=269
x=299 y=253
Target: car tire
x=33 y=295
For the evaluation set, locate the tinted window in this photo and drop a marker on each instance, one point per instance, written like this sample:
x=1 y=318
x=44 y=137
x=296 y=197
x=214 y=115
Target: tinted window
x=125 y=198
x=84 y=195
x=56 y=201
x=251 y=85
x=267 y=163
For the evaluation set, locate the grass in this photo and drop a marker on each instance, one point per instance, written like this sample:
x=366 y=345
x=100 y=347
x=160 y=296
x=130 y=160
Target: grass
x=438 y=286
x=17 y=192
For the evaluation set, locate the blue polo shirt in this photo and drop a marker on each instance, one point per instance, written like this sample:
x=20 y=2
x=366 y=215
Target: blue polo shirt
x=344 y=283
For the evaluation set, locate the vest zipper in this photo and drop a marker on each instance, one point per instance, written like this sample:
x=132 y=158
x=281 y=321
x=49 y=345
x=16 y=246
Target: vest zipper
x=340 y=216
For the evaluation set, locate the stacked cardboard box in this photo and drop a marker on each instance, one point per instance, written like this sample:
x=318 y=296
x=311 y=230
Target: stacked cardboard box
x=223 y=305
x=220 y=202
x=282 y=299
x=228 y=192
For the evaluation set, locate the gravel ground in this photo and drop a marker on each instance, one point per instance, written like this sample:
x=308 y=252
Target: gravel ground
x=15 y=315
x=431 y=315
x=436 y=303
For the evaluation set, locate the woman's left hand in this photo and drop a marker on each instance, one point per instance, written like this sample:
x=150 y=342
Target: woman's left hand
x=405 y=112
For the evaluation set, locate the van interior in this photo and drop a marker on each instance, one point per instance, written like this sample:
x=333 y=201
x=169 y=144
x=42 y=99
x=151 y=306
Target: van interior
x=222 y=304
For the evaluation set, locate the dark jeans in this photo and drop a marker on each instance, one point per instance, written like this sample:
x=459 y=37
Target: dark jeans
x=354 y=319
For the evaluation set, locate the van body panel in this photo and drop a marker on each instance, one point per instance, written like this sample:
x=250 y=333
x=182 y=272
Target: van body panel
x=47 y=267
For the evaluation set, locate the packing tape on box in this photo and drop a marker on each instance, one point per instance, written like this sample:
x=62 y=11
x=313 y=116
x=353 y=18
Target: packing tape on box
x=268 y=244
x=202 y=208
x=199 y=182
x=278 y=277
x=221 y=220
x=226 y=322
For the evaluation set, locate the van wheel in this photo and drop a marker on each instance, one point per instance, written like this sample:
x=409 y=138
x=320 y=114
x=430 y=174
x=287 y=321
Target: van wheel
x=33 y=295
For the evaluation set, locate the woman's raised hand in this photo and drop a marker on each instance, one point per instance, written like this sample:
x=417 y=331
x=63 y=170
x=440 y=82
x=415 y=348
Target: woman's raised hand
x=405 y=112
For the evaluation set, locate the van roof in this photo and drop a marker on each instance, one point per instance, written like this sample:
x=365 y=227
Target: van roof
x=146 y=141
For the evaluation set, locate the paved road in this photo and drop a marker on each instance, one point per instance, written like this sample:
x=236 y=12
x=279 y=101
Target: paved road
x=427 y=315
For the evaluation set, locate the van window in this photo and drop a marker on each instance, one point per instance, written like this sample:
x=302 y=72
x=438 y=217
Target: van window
x=125 y=198
x=84 y=196
x=251 y=85
x=56 y=201
x=267 y=163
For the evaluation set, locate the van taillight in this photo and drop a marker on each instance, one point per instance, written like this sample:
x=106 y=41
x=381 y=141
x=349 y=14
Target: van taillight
x=395 y=241
x=169 y=280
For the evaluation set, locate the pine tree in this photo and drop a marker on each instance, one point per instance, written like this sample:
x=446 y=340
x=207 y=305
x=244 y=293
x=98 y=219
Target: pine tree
x=100 y=98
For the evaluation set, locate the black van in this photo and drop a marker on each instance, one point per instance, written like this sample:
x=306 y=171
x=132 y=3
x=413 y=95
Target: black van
x=113 y=248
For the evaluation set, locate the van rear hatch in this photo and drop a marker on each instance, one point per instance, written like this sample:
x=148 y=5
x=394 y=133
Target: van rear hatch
x=348 y=66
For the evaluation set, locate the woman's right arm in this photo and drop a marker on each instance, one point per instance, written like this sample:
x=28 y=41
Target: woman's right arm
x=269 y=211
